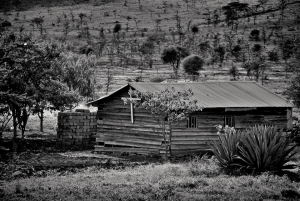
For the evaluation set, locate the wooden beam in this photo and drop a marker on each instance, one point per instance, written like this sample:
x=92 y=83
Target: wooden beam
x=239 y=109
x=289 y=117
x=124 y=149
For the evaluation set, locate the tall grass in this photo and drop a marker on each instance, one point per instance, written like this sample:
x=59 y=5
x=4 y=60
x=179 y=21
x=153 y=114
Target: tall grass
x=197 y=179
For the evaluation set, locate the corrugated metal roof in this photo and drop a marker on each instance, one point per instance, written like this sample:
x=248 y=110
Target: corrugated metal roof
x=222 y=94
x=219 y=94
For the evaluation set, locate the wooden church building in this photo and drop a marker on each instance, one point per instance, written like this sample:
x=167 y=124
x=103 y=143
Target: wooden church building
x=239 y=104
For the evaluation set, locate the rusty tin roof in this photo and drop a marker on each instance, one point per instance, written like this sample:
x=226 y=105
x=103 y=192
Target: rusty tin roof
x=236 y=94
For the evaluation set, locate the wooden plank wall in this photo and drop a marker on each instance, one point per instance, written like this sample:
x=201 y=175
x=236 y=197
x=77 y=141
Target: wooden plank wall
x=193 y=140
x=186 y=140
x=115 y=132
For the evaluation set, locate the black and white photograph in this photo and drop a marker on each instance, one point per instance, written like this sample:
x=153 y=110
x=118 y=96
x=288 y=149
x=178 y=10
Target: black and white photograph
x=149 y=100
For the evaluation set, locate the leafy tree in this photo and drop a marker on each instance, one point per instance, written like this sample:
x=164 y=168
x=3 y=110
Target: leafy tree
x=257 y=68
x=273 y=55
x=147 y=49
x=233 y=11
x=39 y=21
x=55 y=97
x=192 y=64
x=168 y=106
x=234 y=72
x=220 y=53
x=256 y=49
x=81 y=17
x=173 y=56
x=204 y=48
x=27 y=67
x=117 y=28
x=254 y=35
x=288 y=49
x=16 y=3
x=77 y=71
x=116 y=31
x=6 y=6
x=236 y=51
x=5 y=117
x=195 y=30
x=293 y=90
x=262 y=3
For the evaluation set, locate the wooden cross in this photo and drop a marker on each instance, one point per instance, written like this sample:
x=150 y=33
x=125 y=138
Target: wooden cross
x=131 y=106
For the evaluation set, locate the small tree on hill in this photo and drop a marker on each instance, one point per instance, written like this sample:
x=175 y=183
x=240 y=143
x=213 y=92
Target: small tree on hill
x=116 y=31
x=173 y=56
x=233 y=11
x=39 y=21
x=220 y=53
x=81 y=17
x=195 y=30
x=287 y=49
x=254 y=35
x=192 y=65
x=167 y=106
x=234 y=72
x=147 y=50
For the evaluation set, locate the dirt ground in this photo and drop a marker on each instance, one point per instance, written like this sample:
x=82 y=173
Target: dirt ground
x=44 y=157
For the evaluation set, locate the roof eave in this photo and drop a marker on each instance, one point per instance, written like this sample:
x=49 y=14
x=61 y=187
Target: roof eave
x=106 y=96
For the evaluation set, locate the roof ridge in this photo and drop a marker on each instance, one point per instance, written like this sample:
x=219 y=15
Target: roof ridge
x=209 y=82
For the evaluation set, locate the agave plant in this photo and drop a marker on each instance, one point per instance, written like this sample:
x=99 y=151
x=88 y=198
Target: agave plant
x=225 y=150
x=264 y=148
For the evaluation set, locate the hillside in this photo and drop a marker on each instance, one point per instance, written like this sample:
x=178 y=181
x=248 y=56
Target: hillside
x=90 y=24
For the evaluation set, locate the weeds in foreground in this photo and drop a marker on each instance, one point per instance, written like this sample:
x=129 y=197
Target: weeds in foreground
x=196 y=179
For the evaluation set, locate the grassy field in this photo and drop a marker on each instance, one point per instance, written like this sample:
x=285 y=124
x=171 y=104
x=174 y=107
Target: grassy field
x=194 y=179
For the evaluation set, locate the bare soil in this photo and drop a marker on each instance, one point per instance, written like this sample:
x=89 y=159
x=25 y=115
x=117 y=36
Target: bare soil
x=44 y=157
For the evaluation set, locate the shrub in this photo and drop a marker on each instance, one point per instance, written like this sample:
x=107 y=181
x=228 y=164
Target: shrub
x=157 y=79
x=273 y=55
x=221 y=53
x=254 y=35
x=263 y=148
x=192 y=65
x=226 y=149
x=294 y=135
x=256 y=48
x=117 y=28
x=256 y=149
x=236 y=51
x=234 y=72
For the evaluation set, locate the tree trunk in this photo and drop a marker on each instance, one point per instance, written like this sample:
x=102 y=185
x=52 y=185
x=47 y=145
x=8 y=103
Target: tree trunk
x=23 y=133
x=41 y=116
x=170 y=139
x=165 y=139
x=15 y=124
x=1 y=136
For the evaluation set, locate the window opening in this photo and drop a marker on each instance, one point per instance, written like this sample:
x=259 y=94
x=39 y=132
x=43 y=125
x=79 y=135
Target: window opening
x=229 y=121
x=192 y=122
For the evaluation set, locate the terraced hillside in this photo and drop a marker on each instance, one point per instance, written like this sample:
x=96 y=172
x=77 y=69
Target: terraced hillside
x=90 y=24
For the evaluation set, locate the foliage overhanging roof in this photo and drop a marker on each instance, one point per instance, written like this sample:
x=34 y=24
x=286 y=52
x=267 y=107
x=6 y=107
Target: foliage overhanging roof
x=236 y=94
